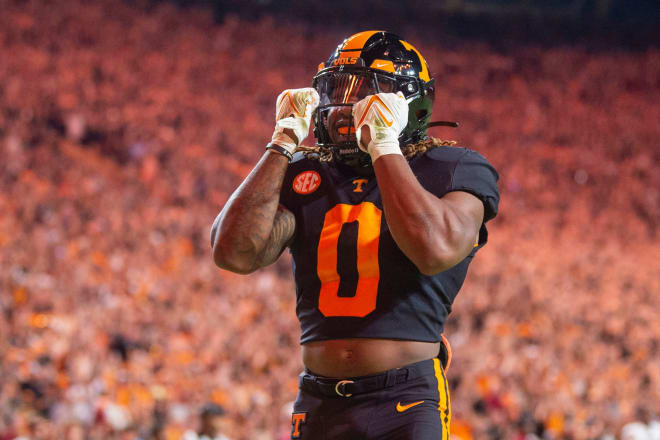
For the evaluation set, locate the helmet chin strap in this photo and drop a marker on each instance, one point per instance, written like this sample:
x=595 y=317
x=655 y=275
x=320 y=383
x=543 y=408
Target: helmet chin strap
x=443 y=124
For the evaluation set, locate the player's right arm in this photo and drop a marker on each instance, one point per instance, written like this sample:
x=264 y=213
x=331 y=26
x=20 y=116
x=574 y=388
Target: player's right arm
x=253 y=229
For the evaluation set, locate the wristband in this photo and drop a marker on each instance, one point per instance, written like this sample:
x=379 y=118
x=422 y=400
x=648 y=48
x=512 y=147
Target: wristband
x=281 y=150
x=375 y=151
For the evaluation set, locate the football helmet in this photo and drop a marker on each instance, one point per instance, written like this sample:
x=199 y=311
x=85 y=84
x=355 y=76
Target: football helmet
x=364 y=64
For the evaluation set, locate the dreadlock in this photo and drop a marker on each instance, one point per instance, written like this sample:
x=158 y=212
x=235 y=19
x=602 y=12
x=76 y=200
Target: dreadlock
x=324 y=154
x=410 y=150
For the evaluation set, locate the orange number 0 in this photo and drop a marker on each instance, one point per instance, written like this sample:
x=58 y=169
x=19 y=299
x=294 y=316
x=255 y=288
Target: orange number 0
x=368 y=217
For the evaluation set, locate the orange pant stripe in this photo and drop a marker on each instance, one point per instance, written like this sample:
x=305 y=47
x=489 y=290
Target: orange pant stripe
x=443 y=399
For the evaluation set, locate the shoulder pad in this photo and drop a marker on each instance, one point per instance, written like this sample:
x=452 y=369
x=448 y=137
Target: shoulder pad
x=446 y=153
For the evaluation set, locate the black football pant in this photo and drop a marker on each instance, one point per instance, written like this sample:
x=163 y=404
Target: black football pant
x=408 y=403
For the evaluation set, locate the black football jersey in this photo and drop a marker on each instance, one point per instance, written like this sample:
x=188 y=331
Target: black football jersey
x=352 y=280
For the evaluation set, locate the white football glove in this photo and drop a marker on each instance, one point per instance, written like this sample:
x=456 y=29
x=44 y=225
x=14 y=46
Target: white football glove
x=386 y=115
x=294 y=110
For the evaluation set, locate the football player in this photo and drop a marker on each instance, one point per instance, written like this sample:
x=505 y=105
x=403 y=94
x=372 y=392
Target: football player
x=382 y=222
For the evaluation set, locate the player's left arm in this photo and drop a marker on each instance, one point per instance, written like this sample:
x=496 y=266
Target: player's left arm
x=435 y=233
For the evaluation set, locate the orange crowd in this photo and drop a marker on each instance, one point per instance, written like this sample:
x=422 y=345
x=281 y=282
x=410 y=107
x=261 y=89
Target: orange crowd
x=123 y=129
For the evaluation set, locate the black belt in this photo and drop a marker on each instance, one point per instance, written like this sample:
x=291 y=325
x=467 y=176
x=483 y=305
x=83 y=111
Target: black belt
x=333 y=387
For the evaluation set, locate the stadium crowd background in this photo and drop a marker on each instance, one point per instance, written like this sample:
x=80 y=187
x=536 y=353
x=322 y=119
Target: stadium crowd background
x=123 y=129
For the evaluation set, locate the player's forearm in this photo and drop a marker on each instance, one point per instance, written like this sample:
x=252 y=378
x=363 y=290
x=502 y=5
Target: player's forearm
x=241 y=230
x=427 y=230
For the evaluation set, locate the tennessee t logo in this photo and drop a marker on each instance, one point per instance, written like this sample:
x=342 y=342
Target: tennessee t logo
x=358 y=185
x=296 y=420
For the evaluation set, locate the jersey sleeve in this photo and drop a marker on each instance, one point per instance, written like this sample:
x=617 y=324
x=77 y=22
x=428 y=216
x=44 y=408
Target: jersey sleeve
x=286 y=193
x=475 y=175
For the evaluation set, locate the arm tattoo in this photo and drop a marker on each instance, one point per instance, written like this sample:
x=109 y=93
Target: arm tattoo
x=252 y=226
x=280 y=237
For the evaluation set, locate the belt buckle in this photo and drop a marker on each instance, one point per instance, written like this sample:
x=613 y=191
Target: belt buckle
x=339 y=388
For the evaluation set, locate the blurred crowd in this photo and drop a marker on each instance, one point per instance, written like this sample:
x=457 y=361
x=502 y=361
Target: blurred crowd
x=123 y=129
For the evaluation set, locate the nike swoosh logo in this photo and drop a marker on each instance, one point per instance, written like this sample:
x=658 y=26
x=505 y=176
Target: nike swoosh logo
x=402 y=408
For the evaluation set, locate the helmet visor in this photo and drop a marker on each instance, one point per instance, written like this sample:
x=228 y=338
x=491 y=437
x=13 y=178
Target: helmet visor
x=336 y=88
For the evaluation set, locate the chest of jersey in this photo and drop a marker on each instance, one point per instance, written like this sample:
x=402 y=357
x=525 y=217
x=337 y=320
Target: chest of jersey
x=339 y=227
x=352 y=280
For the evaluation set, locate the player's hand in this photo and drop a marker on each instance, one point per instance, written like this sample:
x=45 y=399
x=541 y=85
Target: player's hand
x=293 y=113
x=386 y=115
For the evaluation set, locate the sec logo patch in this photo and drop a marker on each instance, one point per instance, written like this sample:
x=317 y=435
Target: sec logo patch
x=306 y=182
